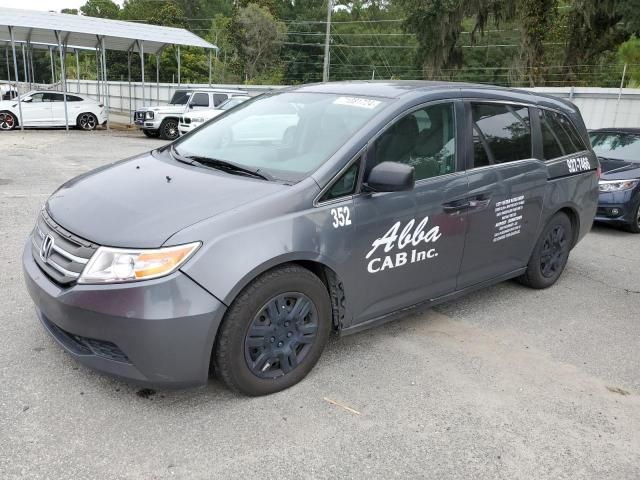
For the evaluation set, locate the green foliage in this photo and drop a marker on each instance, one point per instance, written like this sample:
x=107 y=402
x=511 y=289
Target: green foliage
x=101 y=8
x=629 y=54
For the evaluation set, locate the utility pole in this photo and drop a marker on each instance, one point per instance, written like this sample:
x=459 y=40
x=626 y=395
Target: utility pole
x=327 y=39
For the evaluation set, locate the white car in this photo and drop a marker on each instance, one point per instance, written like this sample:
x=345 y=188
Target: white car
x=46 y=109
x=194 y=120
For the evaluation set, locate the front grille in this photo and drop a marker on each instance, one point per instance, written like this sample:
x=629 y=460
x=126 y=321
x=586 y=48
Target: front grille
x=86 y=346
x=67 y=255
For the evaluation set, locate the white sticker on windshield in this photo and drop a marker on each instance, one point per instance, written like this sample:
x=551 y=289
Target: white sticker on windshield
x=357 y=102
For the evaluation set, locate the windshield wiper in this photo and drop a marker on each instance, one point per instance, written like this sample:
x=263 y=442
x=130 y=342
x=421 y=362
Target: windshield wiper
x=227 y=166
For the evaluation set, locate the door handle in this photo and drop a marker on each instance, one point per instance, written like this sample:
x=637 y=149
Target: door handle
x=456 y=207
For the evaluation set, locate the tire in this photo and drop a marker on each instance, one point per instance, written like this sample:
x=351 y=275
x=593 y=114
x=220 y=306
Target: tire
x=8 y=121
x=634 y=227
x=151 y=133
x=259 y=350
x=550 y=254
x=87 y=121
x=169 y=129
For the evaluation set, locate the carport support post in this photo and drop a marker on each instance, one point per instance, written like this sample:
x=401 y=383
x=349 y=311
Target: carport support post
x=15 y=70
x=78 y=68
x=129 y=79
x=141 y=50
x=107 y=102
x=63 y=76
x=179 y=66
x=53 y=70
x=24 y=66
x=6 y=54
x=158 y=53
x=209 y=67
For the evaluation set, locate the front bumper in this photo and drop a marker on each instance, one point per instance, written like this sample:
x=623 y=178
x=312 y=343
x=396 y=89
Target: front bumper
x=617 y=207
x=157 y=333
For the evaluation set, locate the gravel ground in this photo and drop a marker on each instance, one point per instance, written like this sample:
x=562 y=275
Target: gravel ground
x=505 y=383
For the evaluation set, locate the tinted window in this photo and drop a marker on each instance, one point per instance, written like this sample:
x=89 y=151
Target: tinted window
x=200 y=99
x=53 y=97
x=37 y=98
x=501 y=133
x=73 y=98
x=218 y=98
x=559 y=137
x=181 y=97
x=345 y=185
x=623 y=146
x=424 y=139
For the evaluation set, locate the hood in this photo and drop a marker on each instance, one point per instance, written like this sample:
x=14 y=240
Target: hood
x=165 y=109
x=616 y=169
x=141 y=202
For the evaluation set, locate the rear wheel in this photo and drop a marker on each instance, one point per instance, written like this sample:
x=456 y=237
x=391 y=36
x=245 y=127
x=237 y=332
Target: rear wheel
x=169 y=129
x=87 y=121
x=7 y=121
x=634 y=225
x=151 y=133
x=550 y=254
x=274 y=332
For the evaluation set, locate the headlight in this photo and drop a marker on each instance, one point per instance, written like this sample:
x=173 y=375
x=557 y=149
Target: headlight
x=617 y=185
x=111 y=265
x=149 y=115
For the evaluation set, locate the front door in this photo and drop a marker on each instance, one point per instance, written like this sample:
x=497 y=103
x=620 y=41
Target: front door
x=36 y=111
x=409 y=244
x=506 y=191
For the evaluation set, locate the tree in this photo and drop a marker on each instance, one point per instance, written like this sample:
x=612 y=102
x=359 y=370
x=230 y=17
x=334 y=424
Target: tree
x=629 y=54
x=69 y=11
x=101 y=9
x=258 y=37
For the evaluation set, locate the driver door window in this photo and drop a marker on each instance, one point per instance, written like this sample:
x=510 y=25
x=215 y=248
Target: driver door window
x=424 y=139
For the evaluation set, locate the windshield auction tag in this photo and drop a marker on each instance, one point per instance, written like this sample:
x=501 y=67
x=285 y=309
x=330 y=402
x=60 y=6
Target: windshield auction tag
x=357 y=102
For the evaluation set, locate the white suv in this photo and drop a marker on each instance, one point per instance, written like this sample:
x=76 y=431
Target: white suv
x=163 y=121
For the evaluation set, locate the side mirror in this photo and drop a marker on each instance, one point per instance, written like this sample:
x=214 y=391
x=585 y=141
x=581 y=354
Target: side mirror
x=191 y=104
x=391 y=177
x=27 y=99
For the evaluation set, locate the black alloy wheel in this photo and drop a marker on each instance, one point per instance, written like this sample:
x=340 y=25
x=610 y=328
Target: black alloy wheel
x=169 y=129
x=281 y=335
x=87 y=121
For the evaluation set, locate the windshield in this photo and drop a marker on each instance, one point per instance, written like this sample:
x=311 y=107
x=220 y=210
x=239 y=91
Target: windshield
x=232 y=103
x=623 y=146
x=288 y=135
x=181 y=97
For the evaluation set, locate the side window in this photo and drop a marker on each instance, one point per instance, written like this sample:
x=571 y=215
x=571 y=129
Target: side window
x=218 y=98
x=37 y=98
x=559 y=136
x=200 y=100
x=53 y=97
x=345 y=185
x=424 y=139
x=501 y=133
x=73 y=98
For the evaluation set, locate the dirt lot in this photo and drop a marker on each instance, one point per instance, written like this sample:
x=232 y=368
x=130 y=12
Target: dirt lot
x=506 y=383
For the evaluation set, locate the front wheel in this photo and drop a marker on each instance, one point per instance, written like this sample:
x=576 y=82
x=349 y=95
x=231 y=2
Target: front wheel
x=274 y=332
x=7 y=121
x=87 y=121
x=634 y=225
x=550 y=254
x=169 y=129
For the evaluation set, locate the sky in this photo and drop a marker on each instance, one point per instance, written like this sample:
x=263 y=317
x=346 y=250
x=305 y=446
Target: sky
x=56 y=5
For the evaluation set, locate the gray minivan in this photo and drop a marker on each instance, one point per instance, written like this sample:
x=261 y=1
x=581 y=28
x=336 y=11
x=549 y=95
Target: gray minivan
x=238 y=248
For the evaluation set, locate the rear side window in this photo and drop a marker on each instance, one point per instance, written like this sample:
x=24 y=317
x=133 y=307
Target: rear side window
x=501 y=133
x=200 y=99
x=218 y=98
x=73 y=98
x=559 y=136
x=53 y=97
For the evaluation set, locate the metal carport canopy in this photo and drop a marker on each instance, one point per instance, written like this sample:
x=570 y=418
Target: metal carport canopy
x=41 y=27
